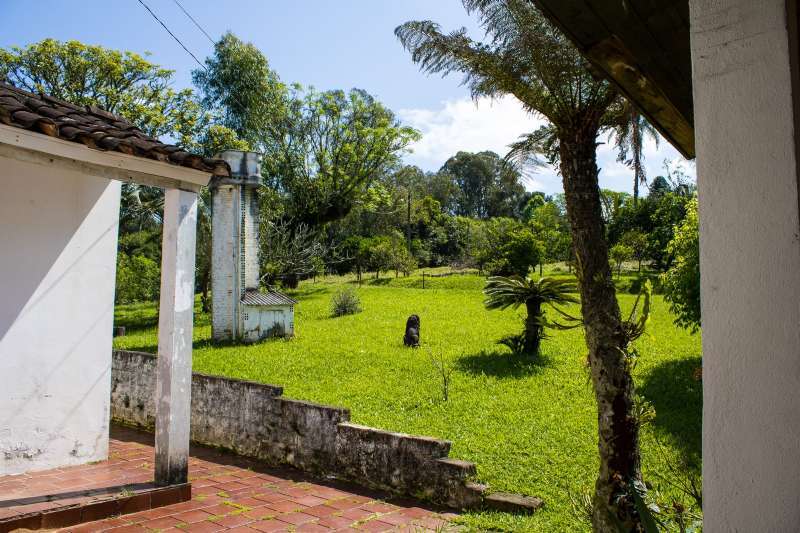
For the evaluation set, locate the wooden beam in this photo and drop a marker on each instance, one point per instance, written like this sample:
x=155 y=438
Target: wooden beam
x=174 y=381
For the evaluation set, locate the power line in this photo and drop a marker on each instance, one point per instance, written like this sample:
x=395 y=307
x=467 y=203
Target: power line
x=172 y=34
x=199 y=27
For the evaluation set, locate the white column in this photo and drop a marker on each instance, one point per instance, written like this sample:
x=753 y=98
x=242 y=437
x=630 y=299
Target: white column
x=174 y=382
x=747 y=161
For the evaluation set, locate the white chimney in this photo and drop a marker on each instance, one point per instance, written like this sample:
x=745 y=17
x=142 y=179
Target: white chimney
x=234 y=242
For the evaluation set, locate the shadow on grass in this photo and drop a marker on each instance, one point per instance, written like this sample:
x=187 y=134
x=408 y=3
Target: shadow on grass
x=678 y=400
x=501 y=363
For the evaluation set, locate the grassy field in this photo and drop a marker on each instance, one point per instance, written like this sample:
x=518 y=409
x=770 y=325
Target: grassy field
x=530 y=428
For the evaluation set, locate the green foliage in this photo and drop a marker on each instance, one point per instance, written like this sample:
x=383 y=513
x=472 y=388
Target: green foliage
x=138 y=279
x=239 y=87
x=345 y=301
x=503 y=247
x=123 y=83
x=543 y=414
x=485 y=186
x=620 y=253
x=332 y=146
x=682 y=281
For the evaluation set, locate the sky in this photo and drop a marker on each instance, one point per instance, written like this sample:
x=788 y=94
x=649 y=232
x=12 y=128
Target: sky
x=328 y=45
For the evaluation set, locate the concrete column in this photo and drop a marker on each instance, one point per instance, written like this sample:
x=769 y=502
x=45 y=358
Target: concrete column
x=174 y=381
x=750 y=263
x=225 y=292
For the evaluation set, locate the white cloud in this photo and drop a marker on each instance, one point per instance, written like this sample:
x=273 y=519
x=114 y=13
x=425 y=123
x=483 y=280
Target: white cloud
x=486 y=124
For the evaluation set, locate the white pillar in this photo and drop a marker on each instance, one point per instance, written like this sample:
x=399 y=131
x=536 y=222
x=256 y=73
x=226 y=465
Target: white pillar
x=174 y=381
x=747 y=166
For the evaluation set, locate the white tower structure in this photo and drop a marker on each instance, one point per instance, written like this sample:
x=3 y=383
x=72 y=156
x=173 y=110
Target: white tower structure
x=239 y=311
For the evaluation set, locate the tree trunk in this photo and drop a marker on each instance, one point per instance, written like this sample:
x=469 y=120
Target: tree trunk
x=408 y=220
x=637 y=155
x=533 y=328
x=291 y=281
x=613 y=504
x=204 y=283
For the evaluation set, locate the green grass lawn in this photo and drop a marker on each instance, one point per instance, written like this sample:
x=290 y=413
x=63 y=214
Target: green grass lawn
x=530 y=428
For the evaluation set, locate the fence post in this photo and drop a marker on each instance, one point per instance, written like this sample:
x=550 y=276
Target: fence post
x=423 y=279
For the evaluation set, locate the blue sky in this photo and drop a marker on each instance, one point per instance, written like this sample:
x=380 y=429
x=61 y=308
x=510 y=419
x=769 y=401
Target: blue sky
x=342 y=44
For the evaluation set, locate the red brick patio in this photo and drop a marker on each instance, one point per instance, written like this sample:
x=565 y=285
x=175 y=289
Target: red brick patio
x=228 y=493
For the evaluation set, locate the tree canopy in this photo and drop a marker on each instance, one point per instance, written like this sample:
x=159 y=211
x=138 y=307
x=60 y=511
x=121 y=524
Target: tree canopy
x=123 y=83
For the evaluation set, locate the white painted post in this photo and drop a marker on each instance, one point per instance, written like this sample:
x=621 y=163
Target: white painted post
x=744 y=61
x=174 y=381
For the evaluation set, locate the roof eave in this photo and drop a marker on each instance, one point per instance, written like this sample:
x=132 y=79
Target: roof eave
x=671 y=113
x=43 y=149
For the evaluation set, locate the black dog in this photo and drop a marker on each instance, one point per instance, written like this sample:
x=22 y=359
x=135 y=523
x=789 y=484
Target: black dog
x=411 y=337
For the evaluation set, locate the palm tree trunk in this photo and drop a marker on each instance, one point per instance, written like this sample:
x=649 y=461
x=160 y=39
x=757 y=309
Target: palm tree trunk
x=533 y=328
x=613 y=504
x=637 y=154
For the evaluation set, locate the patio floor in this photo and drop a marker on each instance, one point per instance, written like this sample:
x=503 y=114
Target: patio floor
x=228 y=493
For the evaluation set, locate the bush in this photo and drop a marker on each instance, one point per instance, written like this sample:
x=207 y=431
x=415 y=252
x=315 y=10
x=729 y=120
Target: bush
x=138 y=279
x=682 y=281
x=345 y=302
x=512 y=251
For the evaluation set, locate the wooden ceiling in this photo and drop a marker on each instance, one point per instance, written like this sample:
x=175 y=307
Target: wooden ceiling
x=643 y=46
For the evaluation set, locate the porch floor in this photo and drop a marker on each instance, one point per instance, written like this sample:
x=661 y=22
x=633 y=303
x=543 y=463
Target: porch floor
x=228 y=492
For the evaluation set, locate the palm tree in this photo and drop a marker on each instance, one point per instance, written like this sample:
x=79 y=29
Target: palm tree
x=525 y=56
x=504 y=292
x=629 y=134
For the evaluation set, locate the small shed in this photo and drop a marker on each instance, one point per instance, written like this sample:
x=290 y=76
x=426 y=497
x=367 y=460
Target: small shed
x=266 y=314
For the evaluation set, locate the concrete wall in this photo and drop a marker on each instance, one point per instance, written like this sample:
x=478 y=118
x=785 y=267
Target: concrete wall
x=750 y=264
x=255 y=420
x=58 y=239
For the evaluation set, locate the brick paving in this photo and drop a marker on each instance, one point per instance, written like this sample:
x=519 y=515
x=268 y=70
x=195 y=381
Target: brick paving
x=229 y=493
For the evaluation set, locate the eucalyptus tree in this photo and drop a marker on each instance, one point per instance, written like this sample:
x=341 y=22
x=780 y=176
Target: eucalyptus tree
x=524 y=55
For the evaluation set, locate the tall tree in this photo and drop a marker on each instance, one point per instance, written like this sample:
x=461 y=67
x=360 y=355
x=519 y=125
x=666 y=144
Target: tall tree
x=241 y=90
x=629 y=135
x=487 y=186
x=329 y=147
x=525 y=56
x=123 y=83
x=321 y=149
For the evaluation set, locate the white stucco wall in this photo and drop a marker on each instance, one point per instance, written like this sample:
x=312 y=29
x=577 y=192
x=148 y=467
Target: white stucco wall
x=58 y=239
x=750 y=264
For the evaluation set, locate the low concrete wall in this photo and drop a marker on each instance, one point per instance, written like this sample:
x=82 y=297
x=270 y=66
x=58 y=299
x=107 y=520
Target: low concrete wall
x=253 y=419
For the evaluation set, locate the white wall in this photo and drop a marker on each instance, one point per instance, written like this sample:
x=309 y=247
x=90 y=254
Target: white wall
x=224 y=291
x=750 y=265
x=58 y=238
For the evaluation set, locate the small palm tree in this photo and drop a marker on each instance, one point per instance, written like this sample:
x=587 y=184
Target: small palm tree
x=504 y=292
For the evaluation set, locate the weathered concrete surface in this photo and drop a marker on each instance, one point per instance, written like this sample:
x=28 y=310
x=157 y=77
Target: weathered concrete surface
x=58 y=242
x=744 y=64
x=253 y=419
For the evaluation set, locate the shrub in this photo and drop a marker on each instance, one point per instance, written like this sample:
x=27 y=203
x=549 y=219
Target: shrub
x=345 y=302
x=682 y=281
x=514 y=253
x=138 y=279
x=620 y=253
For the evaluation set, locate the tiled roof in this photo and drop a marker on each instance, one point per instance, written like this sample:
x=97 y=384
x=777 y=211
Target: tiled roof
x=93 y=127
x=254 y=297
